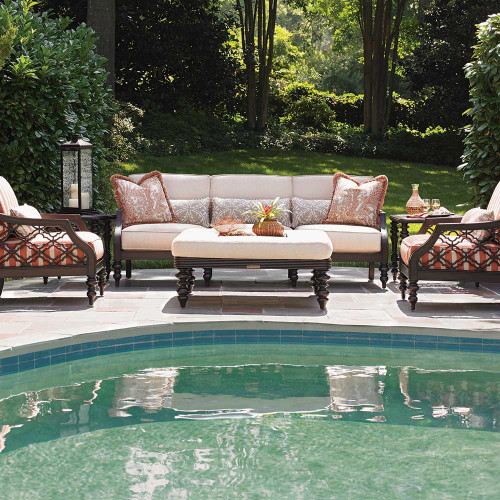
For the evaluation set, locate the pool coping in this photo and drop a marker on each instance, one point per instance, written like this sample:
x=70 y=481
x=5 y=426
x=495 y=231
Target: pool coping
x=157 y=335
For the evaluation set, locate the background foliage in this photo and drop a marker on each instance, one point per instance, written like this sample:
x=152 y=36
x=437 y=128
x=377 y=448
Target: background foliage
x=51 y=85
x=482 y=144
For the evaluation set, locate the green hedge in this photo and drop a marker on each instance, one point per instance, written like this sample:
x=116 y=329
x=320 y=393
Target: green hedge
x=52 y=84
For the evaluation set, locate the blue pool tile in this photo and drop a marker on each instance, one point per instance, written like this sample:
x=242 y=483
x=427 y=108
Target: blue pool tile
x=141 y=346
x=27 y=365
x=471 y=340
x=12 y=360
x=404 y=344
x=335 y=334
x=89 y=345
x=291 y=339
x=240 y=333
x=291 y=333
x=124 y=348
x=72 y=356
x=471 y=347
x=105 y=342
x=448 y=346
x=270 y=339
x=143 y=338
x=266 y=333
x=162 y=336
x=336 y=340
x=447 y=340
x=247 y=339
x=204 y=333
x=179 y=342
x=42 y=354
x=42 y=362
x=491 y=348
x=26 y=357
x=357 y=335
x=89 y=353
x=59 y=358
x=123 y=341
x=224 y=332
x=314 y=340
x=74 y=348
x=403 y=336
x=351 y=341
x=427 y=338
x=105 y=350
x=420 y=344
x=9 y=369
x=163 y=343
x=225 y=339
x=491 y=341
x=380 y=336
x=380 y=343
x=312 y=333
x=182 y=335
x=203 y=340
x=57 y=351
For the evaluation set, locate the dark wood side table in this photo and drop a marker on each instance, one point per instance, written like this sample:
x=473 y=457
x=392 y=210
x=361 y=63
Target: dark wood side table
x=397 y=235
x=102 y=224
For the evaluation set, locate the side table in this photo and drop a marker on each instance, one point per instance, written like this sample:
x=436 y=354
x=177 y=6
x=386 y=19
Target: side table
x=102 y=224
x=397 y=235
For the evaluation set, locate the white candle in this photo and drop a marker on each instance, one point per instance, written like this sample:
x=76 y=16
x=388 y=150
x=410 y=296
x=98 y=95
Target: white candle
x=74 y=191
x=73 y=202
x=85 y=201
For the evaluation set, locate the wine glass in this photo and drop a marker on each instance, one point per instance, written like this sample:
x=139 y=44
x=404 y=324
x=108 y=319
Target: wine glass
x=436 y=203
x=427 y=204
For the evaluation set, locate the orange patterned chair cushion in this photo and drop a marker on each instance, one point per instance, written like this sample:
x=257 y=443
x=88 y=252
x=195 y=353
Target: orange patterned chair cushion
x=464 y=256
x=55 y=250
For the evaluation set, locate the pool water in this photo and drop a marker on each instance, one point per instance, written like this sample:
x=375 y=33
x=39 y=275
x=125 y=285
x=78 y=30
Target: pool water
x=246 y=421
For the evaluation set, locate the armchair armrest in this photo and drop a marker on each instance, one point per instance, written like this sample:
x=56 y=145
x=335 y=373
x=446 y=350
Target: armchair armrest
x=384 y=235
x=432 y=221
x=75 y=218
x=117 y=241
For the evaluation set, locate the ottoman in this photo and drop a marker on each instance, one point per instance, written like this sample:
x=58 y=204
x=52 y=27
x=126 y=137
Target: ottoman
x=204 y=248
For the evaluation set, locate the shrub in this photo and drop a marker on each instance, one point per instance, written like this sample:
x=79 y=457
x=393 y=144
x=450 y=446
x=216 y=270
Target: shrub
x=482 y=154
x=310 y=111
x=52 y=84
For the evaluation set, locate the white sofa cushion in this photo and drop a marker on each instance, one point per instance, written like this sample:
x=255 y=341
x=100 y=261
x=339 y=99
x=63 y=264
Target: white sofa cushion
x=349 y=239
x=318 y=187
x=251 y=186
x=241 y=209
x=183 y=186
x=154 y=237
x=206 y=243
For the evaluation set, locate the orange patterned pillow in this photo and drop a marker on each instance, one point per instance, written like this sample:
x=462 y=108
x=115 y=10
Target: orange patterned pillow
x=356 y=203
x=143 y=202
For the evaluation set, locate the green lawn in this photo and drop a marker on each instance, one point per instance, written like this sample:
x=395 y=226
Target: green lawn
x=435 y=182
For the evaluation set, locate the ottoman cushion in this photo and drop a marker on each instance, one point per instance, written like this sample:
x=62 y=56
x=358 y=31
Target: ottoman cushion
x=298 y=245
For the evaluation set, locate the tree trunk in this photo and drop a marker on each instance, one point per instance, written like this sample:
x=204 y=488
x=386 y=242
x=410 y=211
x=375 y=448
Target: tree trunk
x=101 y=17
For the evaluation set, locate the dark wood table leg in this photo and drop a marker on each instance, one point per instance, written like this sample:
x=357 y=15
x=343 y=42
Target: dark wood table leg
x=294 y=276
x=128 y=269
x=394 y=249
x=183 y=285
x=107 y=246
x=207 y=275
x=322 y=293
x=192 y=280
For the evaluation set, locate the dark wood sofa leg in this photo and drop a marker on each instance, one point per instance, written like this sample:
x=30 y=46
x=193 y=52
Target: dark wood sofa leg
x=322 y=293
x=2 y=281
x=207 y=275
x=91 y=288
x=183 y=285
x=384 y=273
x=117 y=266
x=371 y=271
x=191 y=280
x=412 y=296
x=403 y=285
x=128 y=269
x=102 y=275
x=293 y=275
x=45 y=280
x=477 y=284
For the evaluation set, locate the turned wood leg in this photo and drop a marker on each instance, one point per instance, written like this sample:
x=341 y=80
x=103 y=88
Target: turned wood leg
x=371 y=271
x=402 y=285
x=294 y=276
x=59 y=277
x=412 y=296
x=322 y=288
x=91 y=288
x=102 y=275
x=183 y=286
x=477 y=284
x=313 y=281
x=394 y=249
x=2 y=281
x=117 y=266
x=45 y=280
x=384 y=276
x=207 y=275
x=192 y=280
x=128 y=269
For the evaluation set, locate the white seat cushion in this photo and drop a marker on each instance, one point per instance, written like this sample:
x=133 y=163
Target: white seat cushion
x=183 y=186
x=298 y=245
x=154 y=237
x=349 y=239
x=251 y=186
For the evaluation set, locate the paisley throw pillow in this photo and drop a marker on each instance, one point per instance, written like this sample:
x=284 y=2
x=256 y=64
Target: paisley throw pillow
x=192 y=211
x=306 y=212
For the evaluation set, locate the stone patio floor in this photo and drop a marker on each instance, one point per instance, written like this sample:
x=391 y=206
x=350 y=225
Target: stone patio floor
x=32 y=314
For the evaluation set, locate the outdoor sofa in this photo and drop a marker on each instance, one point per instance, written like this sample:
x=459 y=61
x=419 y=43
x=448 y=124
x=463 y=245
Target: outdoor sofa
x=239 y=192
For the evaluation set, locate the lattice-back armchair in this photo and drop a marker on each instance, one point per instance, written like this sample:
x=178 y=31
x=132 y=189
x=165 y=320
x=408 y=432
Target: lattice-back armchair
x=53 y=245
x=447 y=249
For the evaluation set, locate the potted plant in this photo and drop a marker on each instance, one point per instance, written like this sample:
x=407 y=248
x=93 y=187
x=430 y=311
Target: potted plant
x=267 y=215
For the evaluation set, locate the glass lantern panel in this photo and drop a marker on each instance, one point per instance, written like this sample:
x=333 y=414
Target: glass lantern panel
x=70 y=175
x=86 y=172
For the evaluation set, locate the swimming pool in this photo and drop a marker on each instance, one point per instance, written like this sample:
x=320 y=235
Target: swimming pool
x=261 y=420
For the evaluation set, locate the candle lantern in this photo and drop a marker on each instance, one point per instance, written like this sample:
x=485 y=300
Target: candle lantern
x=76 y=176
